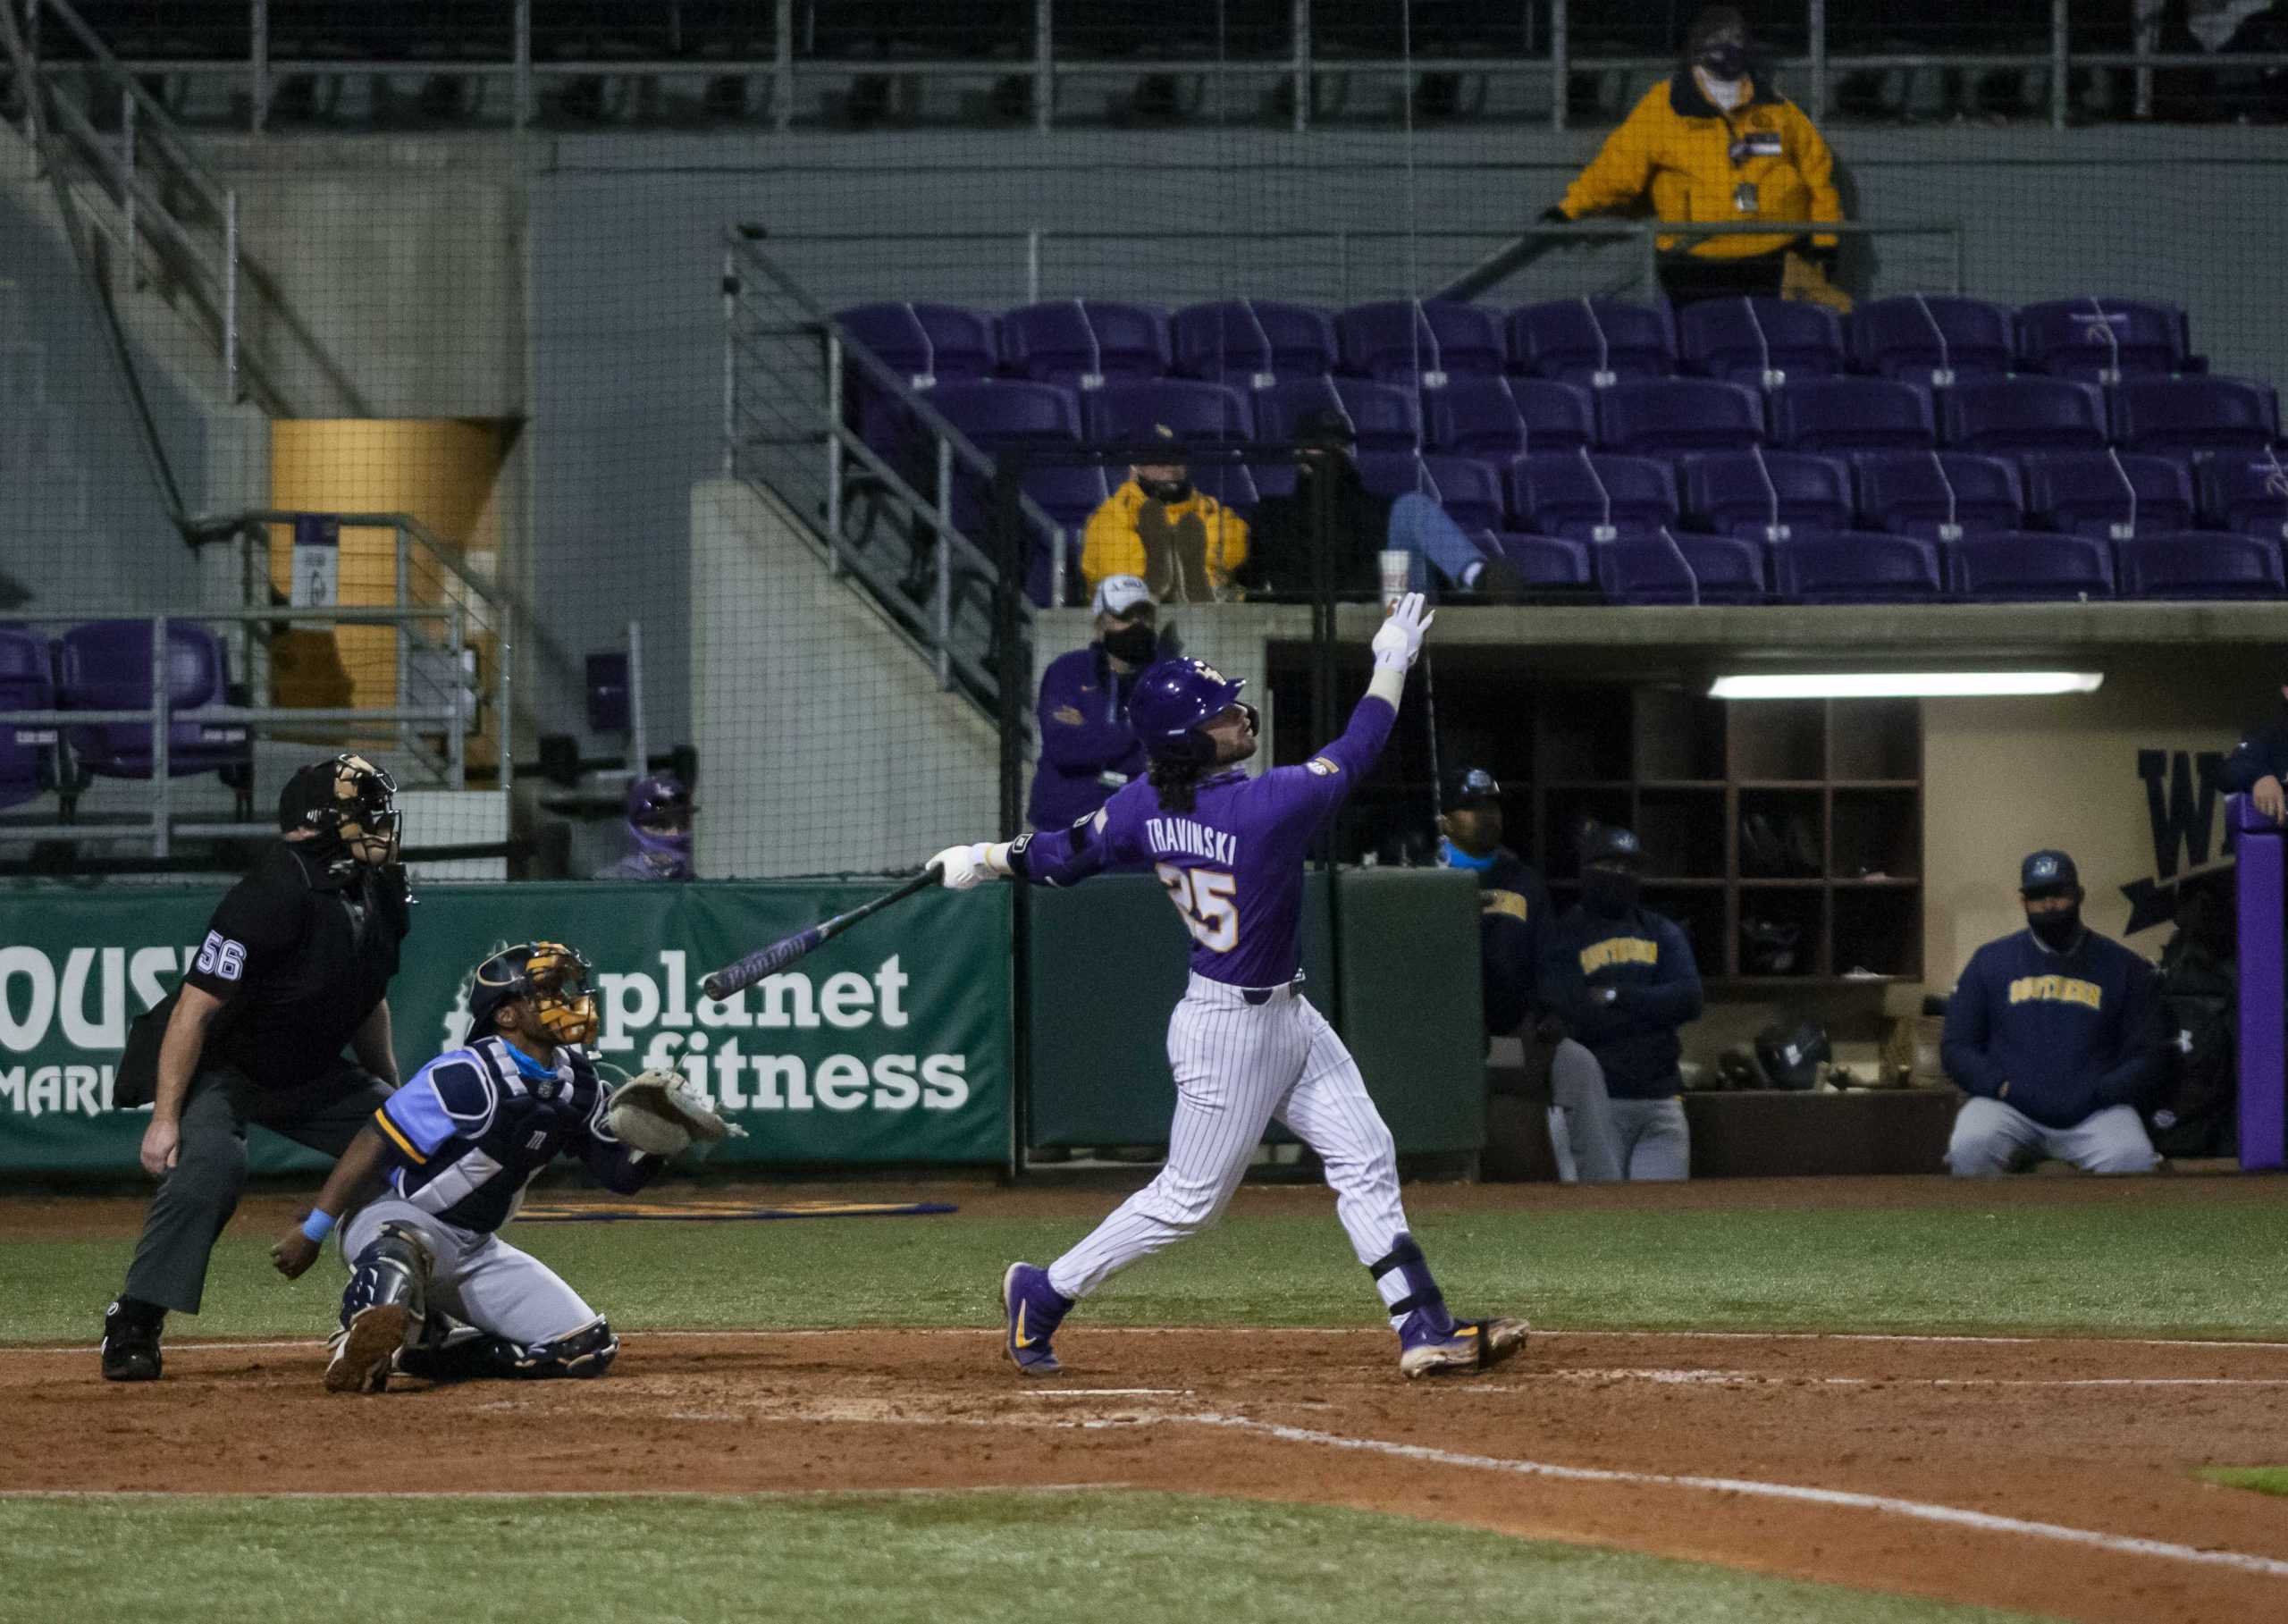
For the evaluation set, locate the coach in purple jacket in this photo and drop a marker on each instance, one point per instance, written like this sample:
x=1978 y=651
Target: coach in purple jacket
x=1088 y=749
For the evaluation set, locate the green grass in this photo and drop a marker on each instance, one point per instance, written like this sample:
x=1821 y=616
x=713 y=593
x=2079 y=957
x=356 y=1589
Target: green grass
x=2103 y=1269
x=943 y=1558
x=2263 y=1479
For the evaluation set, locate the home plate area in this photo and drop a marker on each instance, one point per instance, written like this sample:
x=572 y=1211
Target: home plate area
x=2049 y=1474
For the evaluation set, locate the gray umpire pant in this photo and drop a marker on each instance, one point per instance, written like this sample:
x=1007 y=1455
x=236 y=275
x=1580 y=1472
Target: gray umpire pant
x=198 y=1197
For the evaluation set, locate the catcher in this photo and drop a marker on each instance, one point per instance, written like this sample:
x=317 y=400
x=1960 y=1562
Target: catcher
x=433 y=1291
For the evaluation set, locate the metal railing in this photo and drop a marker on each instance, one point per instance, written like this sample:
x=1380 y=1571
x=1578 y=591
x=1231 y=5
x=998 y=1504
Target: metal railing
x=443 y=616
x=1302 y=64
x=784 y=361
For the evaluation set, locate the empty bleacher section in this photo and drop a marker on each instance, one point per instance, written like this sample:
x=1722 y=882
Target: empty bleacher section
x=1864 y=455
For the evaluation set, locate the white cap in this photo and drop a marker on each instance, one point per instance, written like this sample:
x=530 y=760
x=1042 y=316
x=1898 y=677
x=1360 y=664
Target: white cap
x=1116 y=596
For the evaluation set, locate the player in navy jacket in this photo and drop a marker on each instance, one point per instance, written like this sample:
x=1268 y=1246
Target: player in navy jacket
x=433 y=1291
x=1088 y=749
x=2054 y=1033
x=1622 y=979
x=2259 y=766
x=1513 y=902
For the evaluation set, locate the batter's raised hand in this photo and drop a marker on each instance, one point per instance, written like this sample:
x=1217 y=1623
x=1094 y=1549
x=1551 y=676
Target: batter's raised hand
x=1399 y=638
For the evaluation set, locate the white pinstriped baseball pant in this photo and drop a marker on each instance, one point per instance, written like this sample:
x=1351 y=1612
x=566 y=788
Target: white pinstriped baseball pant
x=1237 y=1066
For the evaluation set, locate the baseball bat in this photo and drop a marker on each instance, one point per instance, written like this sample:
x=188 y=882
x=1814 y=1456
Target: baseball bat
x=722 y=983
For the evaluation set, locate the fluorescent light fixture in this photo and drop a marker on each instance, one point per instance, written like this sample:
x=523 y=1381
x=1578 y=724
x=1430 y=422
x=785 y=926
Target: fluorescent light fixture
x=1904 y=685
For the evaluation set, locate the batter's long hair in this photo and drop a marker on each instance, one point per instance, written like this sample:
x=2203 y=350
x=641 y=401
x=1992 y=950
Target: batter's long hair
x=1176 y=782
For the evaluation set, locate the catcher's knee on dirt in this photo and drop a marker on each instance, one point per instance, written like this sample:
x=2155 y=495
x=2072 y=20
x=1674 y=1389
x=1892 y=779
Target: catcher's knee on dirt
x=587 y=1351
x=392 y=1270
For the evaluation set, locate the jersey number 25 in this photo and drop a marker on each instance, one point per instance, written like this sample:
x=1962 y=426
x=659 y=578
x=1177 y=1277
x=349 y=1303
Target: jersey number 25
x=1204 y=898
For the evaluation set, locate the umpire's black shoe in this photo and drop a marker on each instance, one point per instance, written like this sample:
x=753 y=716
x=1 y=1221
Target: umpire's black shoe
x=131 y=1342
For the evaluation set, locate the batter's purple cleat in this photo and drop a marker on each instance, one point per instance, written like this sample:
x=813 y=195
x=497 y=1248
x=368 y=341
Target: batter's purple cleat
x=1034 y=1308
x=1432 y=1342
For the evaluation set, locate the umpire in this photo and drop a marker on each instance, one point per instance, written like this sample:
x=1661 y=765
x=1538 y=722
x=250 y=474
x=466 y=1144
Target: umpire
x=296 y=964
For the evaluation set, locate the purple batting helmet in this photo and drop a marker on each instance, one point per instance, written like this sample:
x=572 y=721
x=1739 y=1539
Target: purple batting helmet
x=659 y=815
x=1172 y=699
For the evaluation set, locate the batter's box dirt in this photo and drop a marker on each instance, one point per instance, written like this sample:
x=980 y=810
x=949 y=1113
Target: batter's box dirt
x=2064 y=1465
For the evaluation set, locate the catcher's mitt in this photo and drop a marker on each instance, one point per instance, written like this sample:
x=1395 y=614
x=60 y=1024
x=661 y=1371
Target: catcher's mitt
x=661 y=1113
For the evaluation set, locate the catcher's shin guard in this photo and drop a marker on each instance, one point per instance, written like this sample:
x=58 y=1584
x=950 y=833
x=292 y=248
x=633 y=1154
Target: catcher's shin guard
x=587 y=1351
x=382 y=1310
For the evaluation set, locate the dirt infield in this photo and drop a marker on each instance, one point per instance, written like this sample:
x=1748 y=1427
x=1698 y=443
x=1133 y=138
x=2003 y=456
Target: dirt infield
x=2049 y=1474
x=1995 y=1427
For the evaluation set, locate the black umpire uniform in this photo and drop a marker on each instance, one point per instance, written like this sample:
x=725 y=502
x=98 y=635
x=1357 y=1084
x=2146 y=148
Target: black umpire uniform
x=298 y=956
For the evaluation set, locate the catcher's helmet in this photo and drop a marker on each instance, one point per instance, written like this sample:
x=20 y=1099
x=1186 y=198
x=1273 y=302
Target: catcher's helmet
x=555 y=977
x=1792 y=1052
x=1172 y=699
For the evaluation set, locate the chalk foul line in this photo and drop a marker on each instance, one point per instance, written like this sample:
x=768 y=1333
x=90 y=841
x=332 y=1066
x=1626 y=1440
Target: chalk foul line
x=1844 y=1499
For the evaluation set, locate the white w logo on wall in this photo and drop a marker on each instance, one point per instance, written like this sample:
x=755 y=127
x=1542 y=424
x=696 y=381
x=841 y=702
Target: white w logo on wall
x=2181 y=805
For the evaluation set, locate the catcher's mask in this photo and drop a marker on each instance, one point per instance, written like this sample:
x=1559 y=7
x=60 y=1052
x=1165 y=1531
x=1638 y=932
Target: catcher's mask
x=554 y=977
x=349 y=806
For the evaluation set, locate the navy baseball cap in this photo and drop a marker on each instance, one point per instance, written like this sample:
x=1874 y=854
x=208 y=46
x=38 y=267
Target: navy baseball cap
x=1472 y=786
x=1609 y=842
x=2047 y=871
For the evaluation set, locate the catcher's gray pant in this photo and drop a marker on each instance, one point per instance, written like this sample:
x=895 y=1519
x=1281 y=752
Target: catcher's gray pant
x=1992 y=1137
x=1238 y=1065
x=479 y=1279
x=1653 y=1139
x=201 y=1191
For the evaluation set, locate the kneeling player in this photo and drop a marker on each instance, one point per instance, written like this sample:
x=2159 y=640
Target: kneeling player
x=433 y=1291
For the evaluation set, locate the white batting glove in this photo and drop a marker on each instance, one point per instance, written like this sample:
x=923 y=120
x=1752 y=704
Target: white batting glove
x=1400 y=639
x=962 y=868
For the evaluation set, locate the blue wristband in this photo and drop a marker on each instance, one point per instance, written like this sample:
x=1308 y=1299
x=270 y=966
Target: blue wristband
x=318 y=1225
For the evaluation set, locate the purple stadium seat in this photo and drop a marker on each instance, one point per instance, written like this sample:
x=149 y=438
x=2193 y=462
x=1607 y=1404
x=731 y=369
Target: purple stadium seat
x=1932 y=341
x=1507 y=416
x=1667 y=567
x=1431 y=341
x=1940 y=495
x=2246 y=493
x=996 y=412
x=1271 y=478
x=1832 y=415
x=2199 y=564
x=107 y=666
x=930 y=344
x=27 y=749
x=2019 y=564
x=2109 y=494
x=1233 y=483
x=2022 y=415
x=1592 y=498
x=2185 y=417
x=1760 y=342
x=1596 y=341
x=1068 y=495
x=1195 y=412
x=1384 y=417
x=1085 y=342
x=1856 y=567
x=1768 y=495
x=2103 y=340
x=1252 y=343
x=1545 y=560
x=1470 y=491
x=1670 y=417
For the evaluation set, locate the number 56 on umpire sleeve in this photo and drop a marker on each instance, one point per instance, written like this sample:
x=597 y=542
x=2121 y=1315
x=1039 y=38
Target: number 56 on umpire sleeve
x=1204 y=898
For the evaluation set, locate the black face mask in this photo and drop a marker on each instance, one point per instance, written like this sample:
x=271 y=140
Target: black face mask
x=1134 y=644
x=1609 y=892
x=1725 y=62
x=1165 y=489
x=2056 y=932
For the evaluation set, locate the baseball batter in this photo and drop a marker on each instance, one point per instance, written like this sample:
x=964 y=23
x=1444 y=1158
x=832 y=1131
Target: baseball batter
x=1245 y=1045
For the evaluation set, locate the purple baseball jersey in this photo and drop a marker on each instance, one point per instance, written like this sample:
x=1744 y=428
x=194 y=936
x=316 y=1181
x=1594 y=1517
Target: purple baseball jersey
x=1233 y=865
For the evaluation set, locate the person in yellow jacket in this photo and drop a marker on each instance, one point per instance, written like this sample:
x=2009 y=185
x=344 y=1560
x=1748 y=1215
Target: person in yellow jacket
x=1716 y=142
x=1181 y=541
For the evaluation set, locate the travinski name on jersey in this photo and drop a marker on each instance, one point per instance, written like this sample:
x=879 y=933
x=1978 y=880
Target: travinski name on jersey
x=1173 y=835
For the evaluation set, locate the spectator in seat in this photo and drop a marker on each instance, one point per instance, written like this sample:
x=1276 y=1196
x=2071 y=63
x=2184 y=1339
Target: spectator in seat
x=1088 y=749
x=659 y=830
x=1621 y=981
x=2054 y=1033
x=1362 y=525
x=1180 y=543
x=1716 y=141
x=2259 y=764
